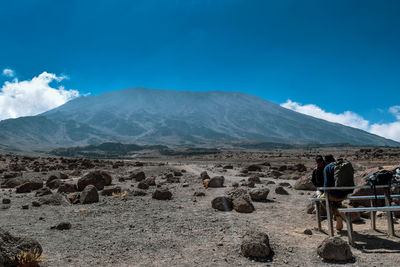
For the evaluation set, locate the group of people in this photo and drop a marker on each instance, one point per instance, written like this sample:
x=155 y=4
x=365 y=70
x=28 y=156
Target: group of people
x=323 y=176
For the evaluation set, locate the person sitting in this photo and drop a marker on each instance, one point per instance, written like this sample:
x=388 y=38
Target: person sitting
x=318 y=174
x=335 y=196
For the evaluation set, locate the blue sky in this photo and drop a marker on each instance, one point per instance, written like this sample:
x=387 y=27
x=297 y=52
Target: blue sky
x=333 y=55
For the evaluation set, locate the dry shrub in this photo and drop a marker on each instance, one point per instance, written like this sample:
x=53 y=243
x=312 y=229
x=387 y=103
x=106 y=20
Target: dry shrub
x=28 y=259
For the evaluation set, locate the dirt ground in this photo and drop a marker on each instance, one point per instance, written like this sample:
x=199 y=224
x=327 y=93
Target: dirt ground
x=186 y=230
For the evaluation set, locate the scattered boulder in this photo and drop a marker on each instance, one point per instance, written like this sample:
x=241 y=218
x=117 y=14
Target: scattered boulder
x=138 y=176
x=173 y=179
x=236 y=192
x=162 y=194
x=35 y=204
x=255 y=178
x=25 y=207
x=53 y=182
x=285 y=184
x=109 y=190
x=151 y=181
x=334 y=249
x=304 y=183
x=12 y=246
x=143 y=185
x=222 y=203
x=282 y=168
x=275 y=173
x=217 y=181
x=281 y=191
x=255 y=244
x=254 y=168
x=259 y=194
x=67 y=188
x=62 y=226
x=30 y=186
x=6 y=201
x=54 y=200
x=300 y=167
x=89 y=195
x=307 y=232
x=243 y=204
x=43 y=191
x=227 y=167
x=97 y=178
x=177 y=173
x=199 y=194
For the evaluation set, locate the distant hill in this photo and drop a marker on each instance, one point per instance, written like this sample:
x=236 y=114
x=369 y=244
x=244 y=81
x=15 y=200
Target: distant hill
x=167 y=117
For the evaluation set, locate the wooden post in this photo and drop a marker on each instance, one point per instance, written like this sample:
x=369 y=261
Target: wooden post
x=318 y=213
x=373 y=215
x=349 y=228
x=389 y=213
x=329 y=214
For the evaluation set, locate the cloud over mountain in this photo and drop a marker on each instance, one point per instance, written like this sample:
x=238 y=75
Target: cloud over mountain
x=32 y=97
x=349 y=118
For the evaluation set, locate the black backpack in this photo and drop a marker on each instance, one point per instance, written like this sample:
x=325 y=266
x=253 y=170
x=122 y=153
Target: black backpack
x=382 y=177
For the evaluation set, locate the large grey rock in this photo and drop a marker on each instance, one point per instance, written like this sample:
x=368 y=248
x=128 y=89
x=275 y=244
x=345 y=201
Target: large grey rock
x=67 y=188
x=243 y=204
x=162 y=194
x=255 y=244
x=217 y=181
x=30 y=186
x=14 y=182
x=12 y=246
x=138 y=176
x=89 y=195
x=54 y=200
x=334 y=249
x=304 y=183
x=259 y=194
x=222 y=203
x=281 y=191
x=97 y=178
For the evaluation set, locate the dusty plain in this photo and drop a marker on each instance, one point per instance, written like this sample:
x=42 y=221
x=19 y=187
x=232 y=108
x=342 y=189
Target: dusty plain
x=131 y=230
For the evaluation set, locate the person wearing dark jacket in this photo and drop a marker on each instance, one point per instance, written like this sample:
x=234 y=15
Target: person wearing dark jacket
x=318 y=173
x=336 y=196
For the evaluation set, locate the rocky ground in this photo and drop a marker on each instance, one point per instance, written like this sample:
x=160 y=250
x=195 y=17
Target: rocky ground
x=129 y=227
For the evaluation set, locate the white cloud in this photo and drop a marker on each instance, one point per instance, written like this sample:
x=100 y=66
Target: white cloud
x=349 y=118
x=395 y=110
x=8 y=73
x=32 y=97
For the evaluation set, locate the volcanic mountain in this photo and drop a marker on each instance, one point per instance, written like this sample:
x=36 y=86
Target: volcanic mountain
x=149 y=116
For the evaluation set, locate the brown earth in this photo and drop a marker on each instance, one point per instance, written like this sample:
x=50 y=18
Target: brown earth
x=132 y=229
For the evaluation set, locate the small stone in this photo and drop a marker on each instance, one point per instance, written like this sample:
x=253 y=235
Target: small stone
x=6 y=201
x=281 y=191
x=62 y=226
x=35 y=204
x=199 y=194
x=25 y=207
x=307 y=232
